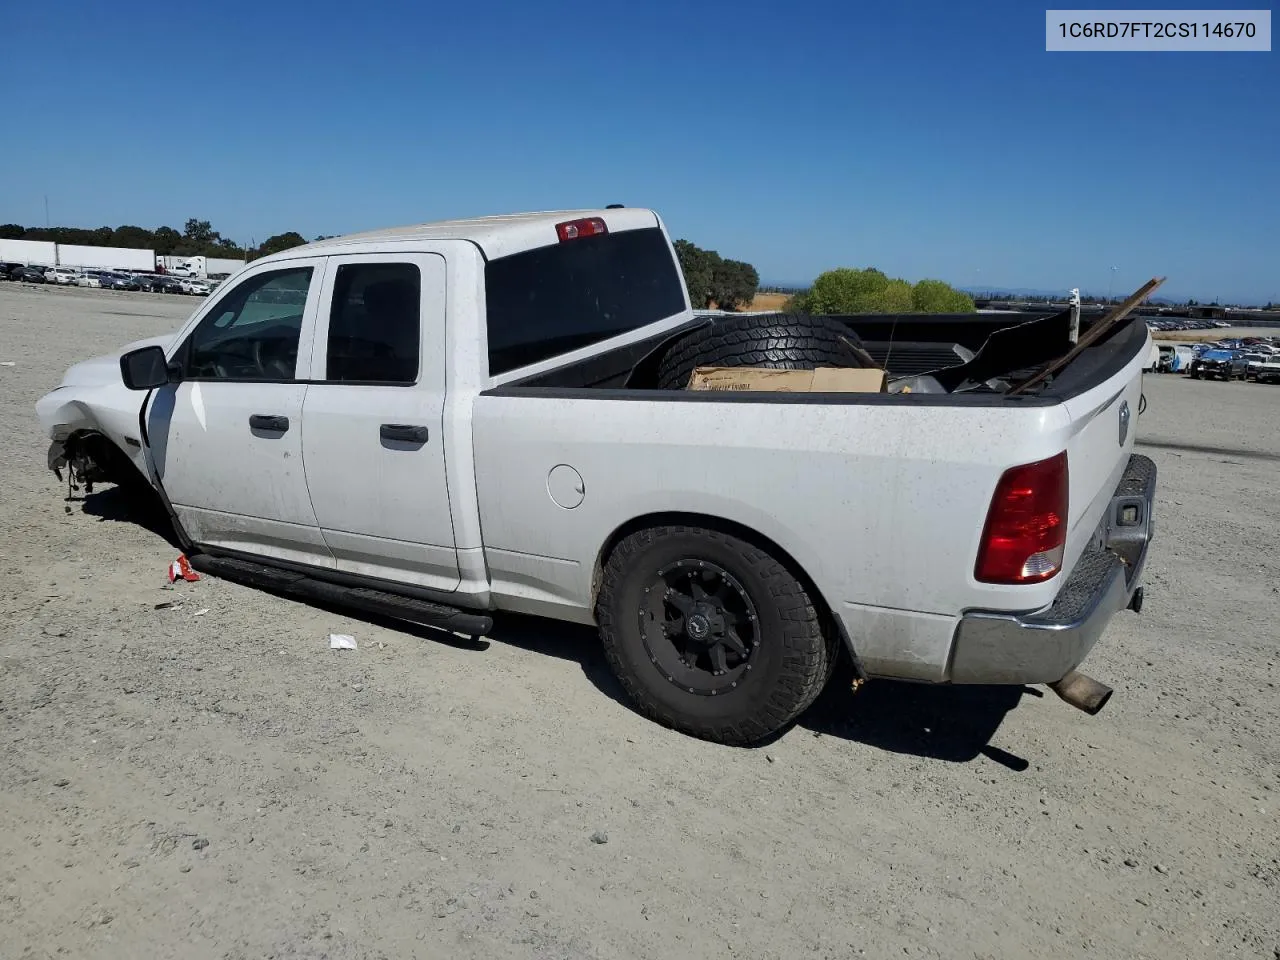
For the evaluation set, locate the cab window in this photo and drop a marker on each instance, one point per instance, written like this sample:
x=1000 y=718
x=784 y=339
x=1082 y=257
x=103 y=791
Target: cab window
x=252 y=333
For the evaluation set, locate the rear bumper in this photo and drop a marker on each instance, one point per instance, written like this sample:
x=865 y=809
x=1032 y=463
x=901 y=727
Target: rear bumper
x=1041 y=647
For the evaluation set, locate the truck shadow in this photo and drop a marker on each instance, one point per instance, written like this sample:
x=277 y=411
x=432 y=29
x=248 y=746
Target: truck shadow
x=953 y=724
x=123 y=505
x=937 y=721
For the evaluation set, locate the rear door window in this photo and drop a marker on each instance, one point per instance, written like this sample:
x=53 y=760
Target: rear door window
x=552 y=300
x=375 y=323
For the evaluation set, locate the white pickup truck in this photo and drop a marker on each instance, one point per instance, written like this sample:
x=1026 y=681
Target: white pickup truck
x=448 y=420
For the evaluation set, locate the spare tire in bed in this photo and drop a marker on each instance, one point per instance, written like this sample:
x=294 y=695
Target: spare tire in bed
x=780 y=341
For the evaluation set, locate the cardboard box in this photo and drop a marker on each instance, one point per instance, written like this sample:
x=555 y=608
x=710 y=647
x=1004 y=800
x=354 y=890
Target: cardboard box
x=821 y=380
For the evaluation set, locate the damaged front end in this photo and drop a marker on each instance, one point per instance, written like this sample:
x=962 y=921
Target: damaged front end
x=89 y=458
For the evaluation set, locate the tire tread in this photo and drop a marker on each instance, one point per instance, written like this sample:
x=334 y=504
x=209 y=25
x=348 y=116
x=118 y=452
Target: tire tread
x=777 y=341
x=808 y=656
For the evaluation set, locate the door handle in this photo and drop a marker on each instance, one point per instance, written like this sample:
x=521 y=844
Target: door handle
x=407 y=432
x=262 y=421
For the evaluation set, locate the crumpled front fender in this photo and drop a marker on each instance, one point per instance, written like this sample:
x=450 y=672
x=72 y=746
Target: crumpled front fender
x=108 y=409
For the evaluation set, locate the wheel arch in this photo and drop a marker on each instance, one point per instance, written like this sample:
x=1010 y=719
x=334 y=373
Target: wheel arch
x=114 y=463
x=732 y=528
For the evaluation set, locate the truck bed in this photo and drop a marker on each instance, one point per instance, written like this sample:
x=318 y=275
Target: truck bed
x=906 y=345
x=879 y=497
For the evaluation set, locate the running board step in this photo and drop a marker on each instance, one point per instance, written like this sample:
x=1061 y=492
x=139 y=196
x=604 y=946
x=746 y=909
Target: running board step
x=276 y=579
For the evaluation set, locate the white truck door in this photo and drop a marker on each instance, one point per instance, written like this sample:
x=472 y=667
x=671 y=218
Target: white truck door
x=226 y=441
x=373 y=420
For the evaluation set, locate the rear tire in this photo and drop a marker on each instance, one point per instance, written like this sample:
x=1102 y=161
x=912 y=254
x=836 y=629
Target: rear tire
x=778 y=341
x=661 y=640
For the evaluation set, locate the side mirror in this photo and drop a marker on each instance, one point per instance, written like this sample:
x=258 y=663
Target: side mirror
x=144 y=369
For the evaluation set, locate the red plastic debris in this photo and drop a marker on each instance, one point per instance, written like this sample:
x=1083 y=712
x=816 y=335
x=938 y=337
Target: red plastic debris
x=180 y=569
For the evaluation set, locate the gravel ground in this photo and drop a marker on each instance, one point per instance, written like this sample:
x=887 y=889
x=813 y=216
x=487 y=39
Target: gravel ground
x=193 y=773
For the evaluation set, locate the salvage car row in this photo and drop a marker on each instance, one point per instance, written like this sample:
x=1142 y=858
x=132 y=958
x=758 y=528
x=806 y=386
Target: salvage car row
x=1247 y=358
x=108 y=279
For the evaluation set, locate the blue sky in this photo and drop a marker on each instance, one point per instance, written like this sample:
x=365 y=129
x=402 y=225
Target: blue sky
x=927 y=139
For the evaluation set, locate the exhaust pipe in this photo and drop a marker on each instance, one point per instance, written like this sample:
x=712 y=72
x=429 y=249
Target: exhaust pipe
x=1082 y=692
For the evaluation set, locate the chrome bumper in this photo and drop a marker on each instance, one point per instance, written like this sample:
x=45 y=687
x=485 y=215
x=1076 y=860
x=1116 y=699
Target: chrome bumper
x=1041 y=647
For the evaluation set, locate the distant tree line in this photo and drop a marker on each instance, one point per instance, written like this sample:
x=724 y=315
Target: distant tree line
x=848 y=290
x=197 y=239
x=714 y=281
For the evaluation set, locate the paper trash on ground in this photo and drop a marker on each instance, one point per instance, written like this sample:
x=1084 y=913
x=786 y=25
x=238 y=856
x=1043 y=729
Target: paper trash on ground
x=341 y=641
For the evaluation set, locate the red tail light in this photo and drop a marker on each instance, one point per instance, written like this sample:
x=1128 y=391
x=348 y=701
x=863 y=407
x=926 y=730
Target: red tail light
x=1026 y=529
x=586 y=227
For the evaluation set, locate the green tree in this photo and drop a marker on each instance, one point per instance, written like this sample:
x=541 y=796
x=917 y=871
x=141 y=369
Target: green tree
x=135 y=238
x=696 y=265
x=893 y=297
x=848 y=290
x=843 y=290
x=733 y=283
x=710 y=278
x=165 y=240
x=199 y=238
x=281 y=241
x=199 y=232
x=934 y=296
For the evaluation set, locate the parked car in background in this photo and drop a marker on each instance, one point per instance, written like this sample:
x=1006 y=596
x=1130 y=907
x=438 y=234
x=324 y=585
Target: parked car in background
x=1268 y=370
x=195 y=286
x=64 y=276
x=1252 y=361
x=1180 y=361
x=118 y=281
x=1226 y=364
x=90 y=278
x=1174 y=358
x=1153 y=357
x=30 y=275
x=164 y=283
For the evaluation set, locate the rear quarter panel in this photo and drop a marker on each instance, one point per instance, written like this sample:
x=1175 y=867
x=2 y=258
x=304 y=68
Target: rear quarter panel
x=881 y=504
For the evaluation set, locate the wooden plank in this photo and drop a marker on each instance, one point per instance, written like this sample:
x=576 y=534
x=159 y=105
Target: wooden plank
x=1093 y=334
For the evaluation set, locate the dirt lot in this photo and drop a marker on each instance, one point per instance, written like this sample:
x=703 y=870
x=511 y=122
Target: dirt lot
x=209 y=780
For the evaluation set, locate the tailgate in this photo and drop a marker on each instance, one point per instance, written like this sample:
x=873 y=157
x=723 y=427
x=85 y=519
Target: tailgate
x=1104 y=422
